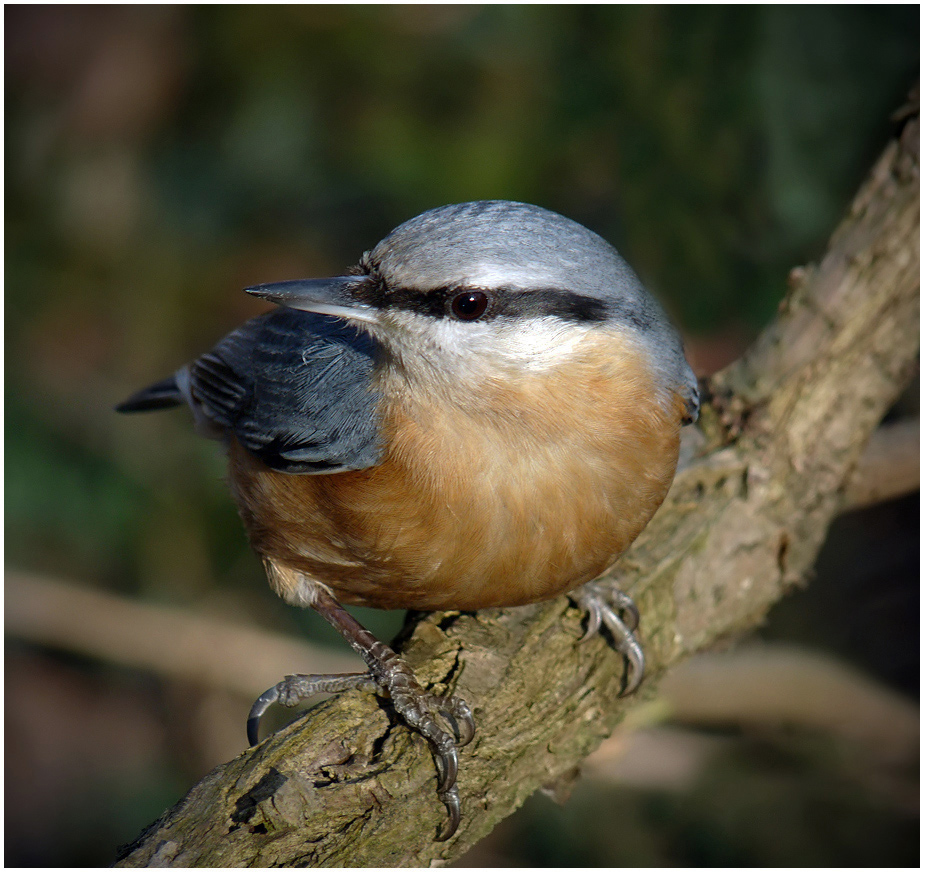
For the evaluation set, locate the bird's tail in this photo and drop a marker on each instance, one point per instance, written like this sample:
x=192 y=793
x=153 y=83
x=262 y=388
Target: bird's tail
x=160 y=395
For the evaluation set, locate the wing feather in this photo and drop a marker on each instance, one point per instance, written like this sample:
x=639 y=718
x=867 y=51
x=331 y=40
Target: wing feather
x=295 y=389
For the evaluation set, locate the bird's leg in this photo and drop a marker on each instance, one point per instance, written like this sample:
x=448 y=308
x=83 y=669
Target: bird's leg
x=388 y=672
x=605 y=602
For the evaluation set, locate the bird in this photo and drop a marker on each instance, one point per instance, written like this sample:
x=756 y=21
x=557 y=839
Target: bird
x=484 y=412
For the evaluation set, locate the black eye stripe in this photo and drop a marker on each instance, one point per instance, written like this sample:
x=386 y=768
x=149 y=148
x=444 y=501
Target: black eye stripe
x=438 y=302
x=558 y=302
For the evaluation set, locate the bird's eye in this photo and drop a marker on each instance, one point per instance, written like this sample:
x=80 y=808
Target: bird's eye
x=469 y=305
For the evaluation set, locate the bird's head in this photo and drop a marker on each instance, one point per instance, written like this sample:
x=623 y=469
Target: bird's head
x=491 y=288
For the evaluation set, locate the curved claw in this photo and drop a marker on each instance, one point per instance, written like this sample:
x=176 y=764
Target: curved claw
x=603 y=603
x=294 y=689
x=625 y=604
x=450 y=800
x=457 y=712
x=628 y=646
x=442 y=721
x=594 y=617
x=448 y=767
x=261 y=705
x=468 y=723
x=635 y=666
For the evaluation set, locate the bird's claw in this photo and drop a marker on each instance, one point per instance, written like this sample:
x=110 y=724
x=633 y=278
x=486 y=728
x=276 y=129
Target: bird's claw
x=604 y=604
x=261 y=705
x=419 y=709
x=458 y=716
x=456 y=713
x=423 y=712
x=294 y=689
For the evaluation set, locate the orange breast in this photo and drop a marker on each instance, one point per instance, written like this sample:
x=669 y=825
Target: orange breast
x=520 y=491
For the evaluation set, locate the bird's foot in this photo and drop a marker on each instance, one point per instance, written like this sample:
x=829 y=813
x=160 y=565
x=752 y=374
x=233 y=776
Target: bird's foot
x=445 y=722
x=430 y=715
x=605 y=603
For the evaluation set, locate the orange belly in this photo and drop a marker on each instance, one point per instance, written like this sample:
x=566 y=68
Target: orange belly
x=529 y=492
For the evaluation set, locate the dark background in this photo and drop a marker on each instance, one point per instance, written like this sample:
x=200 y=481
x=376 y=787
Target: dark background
x=160 y=159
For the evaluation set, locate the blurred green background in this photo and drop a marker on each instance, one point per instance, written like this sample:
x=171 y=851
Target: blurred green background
x=160 y=159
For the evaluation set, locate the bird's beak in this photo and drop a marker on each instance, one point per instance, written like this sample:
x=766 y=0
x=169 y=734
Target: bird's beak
x=326 y=296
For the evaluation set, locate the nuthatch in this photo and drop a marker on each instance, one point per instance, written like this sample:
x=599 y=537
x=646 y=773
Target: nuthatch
x=486 y=411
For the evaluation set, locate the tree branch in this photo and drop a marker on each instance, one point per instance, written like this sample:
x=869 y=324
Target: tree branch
x=171 y=641
x=782 y=434
x=889 y=467
x=759 y=687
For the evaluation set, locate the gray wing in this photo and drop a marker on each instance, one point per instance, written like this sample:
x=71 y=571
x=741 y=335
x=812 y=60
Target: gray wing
x=293 y=387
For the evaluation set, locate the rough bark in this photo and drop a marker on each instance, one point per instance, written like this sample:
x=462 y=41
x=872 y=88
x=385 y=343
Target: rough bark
x=780 y=437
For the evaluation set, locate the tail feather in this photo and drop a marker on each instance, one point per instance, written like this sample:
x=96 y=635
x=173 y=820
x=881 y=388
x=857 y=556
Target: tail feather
x=161 y=395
